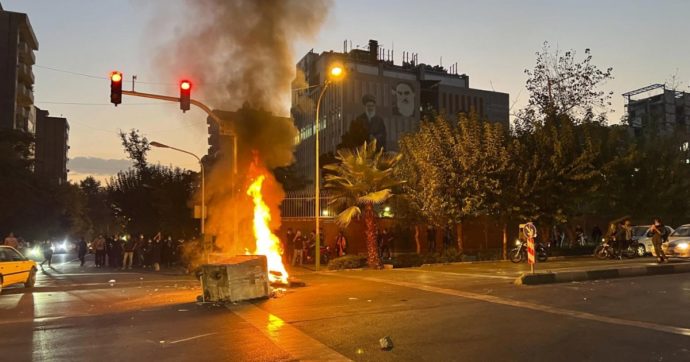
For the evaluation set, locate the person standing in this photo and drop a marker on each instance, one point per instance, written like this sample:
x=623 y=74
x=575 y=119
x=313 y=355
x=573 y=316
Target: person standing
x=128 y=252
x=10 y=240
x=289 y=247
x=596 y=234
x=659 y=236
x=431 y=238
x=155 y=251
x=47 y=249
x=82 y=249
x=341 y=244
x=297 y=245
x=99 y=250
x=386 y=241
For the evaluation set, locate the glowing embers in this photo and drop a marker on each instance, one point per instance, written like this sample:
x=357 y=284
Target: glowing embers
x=266 y=242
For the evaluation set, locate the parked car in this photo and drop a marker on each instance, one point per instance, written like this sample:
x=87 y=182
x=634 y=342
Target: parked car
x=15 y=268
x=643 y=238
x=678 y=244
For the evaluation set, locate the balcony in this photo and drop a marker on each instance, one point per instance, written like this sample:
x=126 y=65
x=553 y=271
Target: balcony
x=26 y=54
x=25 y=96
x=25 y=74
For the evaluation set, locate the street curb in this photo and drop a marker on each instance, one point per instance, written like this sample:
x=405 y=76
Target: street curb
x=573 y=276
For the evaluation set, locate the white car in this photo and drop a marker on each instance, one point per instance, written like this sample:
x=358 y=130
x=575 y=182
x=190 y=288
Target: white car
x=15 y=268
x=678 y=244
x=642 y=236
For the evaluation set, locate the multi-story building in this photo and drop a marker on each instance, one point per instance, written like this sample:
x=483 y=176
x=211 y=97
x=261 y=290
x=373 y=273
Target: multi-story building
x=390 y=98
x=657 y=106
x=17 y=45
x=52 y=136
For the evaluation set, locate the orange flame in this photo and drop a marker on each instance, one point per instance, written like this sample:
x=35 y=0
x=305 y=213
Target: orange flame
x=266 y=242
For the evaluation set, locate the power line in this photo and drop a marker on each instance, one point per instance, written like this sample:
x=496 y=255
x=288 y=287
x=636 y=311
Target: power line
x=101 y=104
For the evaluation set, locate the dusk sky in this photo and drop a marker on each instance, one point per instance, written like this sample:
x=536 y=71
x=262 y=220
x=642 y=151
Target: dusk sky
x=493 y=42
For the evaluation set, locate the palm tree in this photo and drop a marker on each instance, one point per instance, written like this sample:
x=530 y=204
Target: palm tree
x=359 y=180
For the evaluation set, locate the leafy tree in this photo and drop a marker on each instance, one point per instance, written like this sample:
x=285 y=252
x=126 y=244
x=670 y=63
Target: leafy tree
x=559 y=85
x=136 y=146
x=362 y=179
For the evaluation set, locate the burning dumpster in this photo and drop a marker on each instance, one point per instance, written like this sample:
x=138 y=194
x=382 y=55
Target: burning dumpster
x=239 y=278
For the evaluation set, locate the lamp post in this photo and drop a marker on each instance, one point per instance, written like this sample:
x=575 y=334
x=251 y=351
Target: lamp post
x=336 y=72
x=203 y=190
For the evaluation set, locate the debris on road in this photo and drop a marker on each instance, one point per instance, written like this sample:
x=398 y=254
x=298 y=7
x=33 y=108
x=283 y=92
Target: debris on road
x=386 y=343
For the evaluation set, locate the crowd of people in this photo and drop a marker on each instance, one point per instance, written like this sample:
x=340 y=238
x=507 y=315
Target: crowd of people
x=116 y=251
x=298 y=248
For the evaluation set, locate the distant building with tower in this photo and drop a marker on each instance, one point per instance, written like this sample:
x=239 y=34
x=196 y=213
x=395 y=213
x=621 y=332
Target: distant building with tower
x=657 y=106
x=391 y=98
x=52 y=136
x=17 y=45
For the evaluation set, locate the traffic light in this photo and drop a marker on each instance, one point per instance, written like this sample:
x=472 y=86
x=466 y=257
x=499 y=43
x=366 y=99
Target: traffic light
x=115 y=88
x=185 y=95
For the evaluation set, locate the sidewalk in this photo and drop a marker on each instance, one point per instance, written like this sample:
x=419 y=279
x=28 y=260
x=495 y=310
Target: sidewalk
x=620 y=271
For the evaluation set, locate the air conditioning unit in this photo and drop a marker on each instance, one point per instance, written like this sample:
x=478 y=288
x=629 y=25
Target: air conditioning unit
x=239 y=278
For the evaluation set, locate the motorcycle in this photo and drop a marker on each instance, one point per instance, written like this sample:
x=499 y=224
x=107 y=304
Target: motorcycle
x=324 y=251
x=607 y=250
x=519 y=253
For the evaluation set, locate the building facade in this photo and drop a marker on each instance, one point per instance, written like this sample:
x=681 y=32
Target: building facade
x=52 y=137
x=17 y=45
x=660 y=107
x=391 y=99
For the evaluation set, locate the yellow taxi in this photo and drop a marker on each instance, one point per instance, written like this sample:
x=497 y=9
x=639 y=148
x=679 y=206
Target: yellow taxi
x=15 y=268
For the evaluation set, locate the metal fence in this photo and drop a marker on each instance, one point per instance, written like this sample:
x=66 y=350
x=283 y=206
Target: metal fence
x=300 y=204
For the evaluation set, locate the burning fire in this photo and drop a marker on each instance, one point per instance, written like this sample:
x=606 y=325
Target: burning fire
x=266 y=242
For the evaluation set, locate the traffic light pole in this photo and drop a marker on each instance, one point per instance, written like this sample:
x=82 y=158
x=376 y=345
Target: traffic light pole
x=219 y=122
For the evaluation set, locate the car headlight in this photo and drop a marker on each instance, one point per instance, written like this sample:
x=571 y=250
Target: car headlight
x=683 y=246
x=34 y=251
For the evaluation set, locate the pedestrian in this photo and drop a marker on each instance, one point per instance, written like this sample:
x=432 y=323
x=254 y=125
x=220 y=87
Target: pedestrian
x=139 y=251
x=447 y=238
x=621 y=236
x=596 y=234
x=659 y=236
x=341 y=244
x=82 y=249
x=289 y=247
x=386 y=241
x=155 y=252
x=99 y=250
x=10 y=240
x=128 y=247
x=431 y=238
x=298 y=248
x=47 y=249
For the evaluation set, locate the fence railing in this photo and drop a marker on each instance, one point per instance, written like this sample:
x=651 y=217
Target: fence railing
x=300 y=204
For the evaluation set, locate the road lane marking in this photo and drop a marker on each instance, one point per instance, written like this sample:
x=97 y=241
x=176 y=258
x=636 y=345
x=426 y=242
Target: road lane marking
x=458 y=274
x=296 y=343
x=532 y=306
x=191 y=338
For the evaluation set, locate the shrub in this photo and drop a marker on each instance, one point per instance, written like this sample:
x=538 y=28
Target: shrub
x=408 y=260
x=347 y=262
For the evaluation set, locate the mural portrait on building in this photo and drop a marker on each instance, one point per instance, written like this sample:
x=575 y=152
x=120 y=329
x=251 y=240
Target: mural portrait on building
x=369 y=123
x=404 y=100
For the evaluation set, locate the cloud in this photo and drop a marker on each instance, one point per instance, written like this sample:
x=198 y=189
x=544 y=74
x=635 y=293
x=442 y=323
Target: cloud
x=97 y=166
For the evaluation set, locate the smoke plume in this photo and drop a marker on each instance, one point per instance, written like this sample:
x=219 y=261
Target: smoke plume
x=239 y=56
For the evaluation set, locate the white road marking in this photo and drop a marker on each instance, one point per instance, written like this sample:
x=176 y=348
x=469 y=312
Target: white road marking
x=459 y=274
x=532 y=306
x=191 y=338
x=296 y=343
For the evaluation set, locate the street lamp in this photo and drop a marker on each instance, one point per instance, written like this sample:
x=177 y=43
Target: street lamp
x=335 y=73
x=203 y=189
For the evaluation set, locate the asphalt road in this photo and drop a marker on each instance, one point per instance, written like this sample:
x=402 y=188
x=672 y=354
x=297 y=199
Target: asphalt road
x=468 y=312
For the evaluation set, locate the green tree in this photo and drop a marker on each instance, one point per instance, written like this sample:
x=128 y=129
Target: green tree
x=362 y=179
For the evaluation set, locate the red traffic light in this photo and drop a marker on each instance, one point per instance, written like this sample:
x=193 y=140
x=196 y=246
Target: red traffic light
x=115 y=88
x=185 y=95
x=116 y=76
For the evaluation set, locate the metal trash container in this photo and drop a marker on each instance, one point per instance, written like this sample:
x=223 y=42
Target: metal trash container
x=238 y=278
